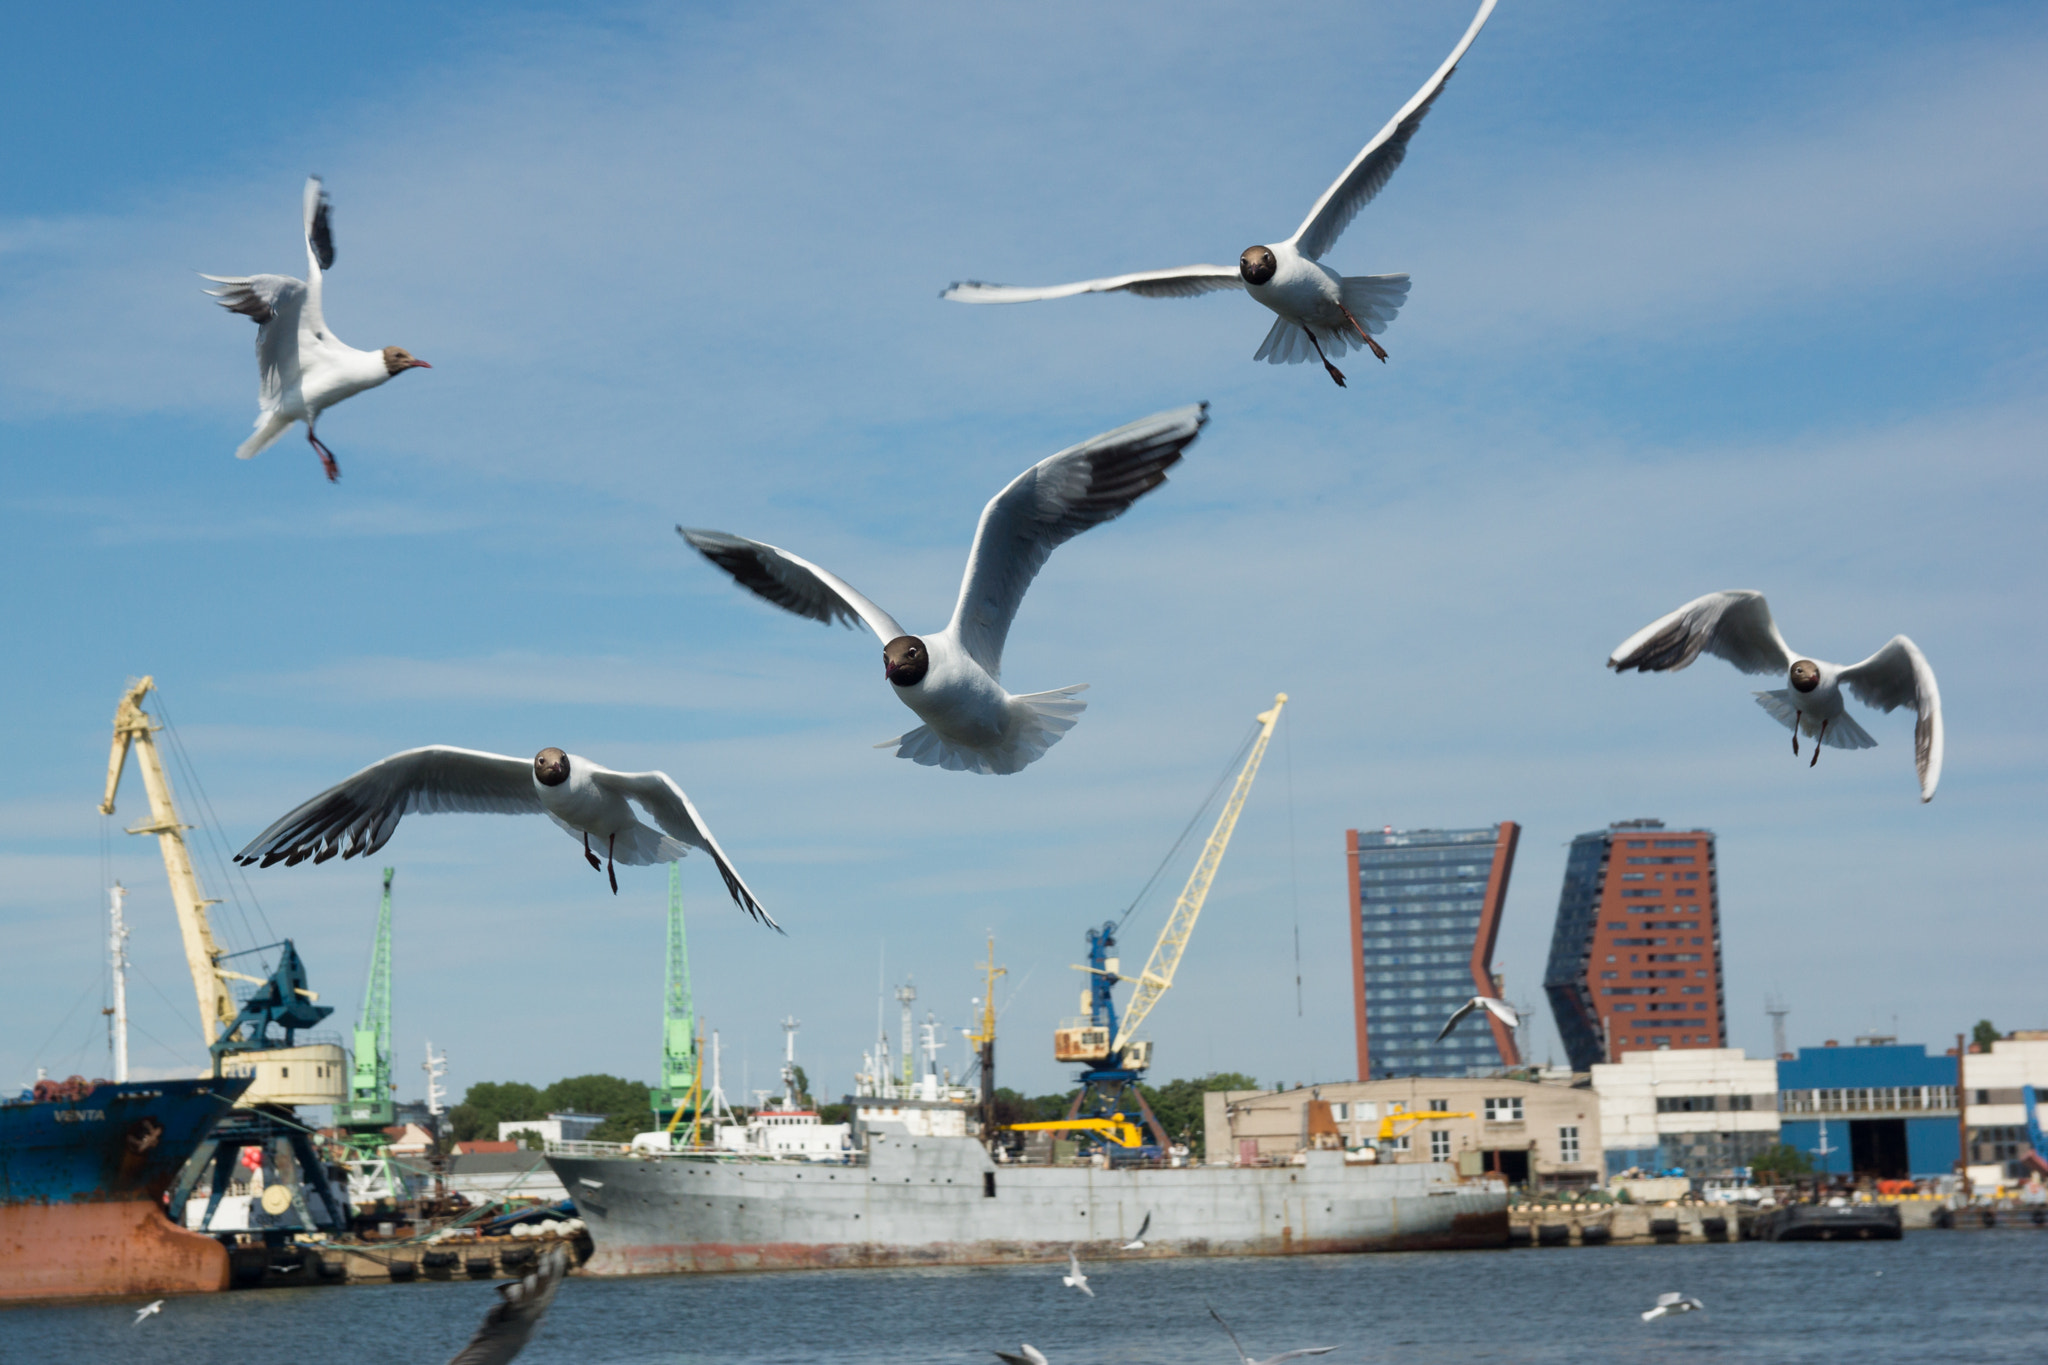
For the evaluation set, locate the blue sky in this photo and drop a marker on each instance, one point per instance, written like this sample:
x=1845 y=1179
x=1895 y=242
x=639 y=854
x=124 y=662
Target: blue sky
x=1705 y=297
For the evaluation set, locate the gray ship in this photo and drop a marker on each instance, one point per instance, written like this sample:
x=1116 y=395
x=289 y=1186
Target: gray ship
x=942 y=1200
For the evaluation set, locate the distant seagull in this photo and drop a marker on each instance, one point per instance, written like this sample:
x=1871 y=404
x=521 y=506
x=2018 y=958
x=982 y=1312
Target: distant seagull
x=1499 y=1009
x=148 y=1312
x=575 y=793
x=1137 y=1243
x=1317 y=307
x=306 y=369
x=1031 y=1356
x=951 y=679
x=1074 y=1279
x=520 y=1307
x=1269 y=1360
x=1673 y=1303
x=1738 y=627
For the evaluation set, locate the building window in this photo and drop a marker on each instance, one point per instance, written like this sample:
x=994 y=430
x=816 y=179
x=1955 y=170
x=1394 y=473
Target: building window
x=1507 y=1109
x=1568 y=1143
x=1340 y=1111
x=1440 y=1106
x=1439 y=1144
x=1399 y=1144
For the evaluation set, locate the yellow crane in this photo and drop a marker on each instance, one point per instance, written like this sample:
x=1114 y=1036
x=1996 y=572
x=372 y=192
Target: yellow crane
x=1392 y=1124
x=1116 y=1128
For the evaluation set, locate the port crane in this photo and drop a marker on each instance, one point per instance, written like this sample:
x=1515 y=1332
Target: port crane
x=1115 y=1058
x=370 y=1109
x=681 y=1070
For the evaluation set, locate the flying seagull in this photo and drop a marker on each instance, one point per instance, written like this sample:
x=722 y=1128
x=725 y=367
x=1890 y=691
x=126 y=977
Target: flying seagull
x=575 y=793
x=1137 y=1243
x=1499 y=1009
x=520 y=1307
x=1074 y=1278
x=951 y=678
x=1738 y=627
x=1031 y=1356
x=1672 y=1303
x=1318 y=309
x=1269 y=1360
x=148 y=1311
x=305 y=368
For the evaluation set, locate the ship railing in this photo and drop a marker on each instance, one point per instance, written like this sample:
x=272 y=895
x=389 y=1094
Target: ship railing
x=557 y=1147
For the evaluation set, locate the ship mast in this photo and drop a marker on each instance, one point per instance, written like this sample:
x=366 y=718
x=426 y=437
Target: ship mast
x=117 y=944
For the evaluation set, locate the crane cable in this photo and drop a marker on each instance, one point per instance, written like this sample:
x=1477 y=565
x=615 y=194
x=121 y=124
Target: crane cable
x=1228 y=770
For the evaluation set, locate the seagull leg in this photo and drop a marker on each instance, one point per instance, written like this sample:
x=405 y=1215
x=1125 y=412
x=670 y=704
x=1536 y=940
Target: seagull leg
x=588 y=856
x=1335 y=373
x=1797 y=716
x=1363 y=335
x=326 y=457
x=1816 y=744
x=613 y=872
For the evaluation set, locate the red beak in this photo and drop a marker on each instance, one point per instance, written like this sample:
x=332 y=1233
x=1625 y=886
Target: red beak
x=417 y=365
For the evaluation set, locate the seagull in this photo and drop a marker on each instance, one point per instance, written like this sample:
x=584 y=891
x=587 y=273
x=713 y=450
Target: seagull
x=1074 y=1278
x=1499 y=1009
x=1672 y=1303
x=951 y=679
x=148 y=1311
x=1031 y=1356
x=1738 y=627
x=575 y=793
x=520 y=1307
x=1269 y=1360
x=1318 y=308
x=306 y=369
x=1137 y=1243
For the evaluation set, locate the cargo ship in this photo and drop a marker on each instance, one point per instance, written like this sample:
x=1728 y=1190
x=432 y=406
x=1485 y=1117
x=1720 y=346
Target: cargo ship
x=84 y=1168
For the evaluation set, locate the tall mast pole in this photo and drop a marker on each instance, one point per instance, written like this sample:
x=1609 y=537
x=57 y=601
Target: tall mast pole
x=906 y=995
x=117 y=942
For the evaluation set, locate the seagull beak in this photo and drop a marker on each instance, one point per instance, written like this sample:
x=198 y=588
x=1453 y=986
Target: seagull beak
x=417 y=365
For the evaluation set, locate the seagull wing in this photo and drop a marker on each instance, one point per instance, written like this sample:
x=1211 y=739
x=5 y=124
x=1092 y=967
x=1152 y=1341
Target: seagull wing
x=274 y=303
x=1456 y=1015
x=789 y=582
x=1666 y=1300
x=520 y=1307
x=1049 y=504
x=1179 y=283
x=1142 y=1227
x=1898 y=675
x=319 y=256
x=1294 y=1355
x=365 y=809
x=1031 y=1356
x=1370 y=170
x=1235 y=1344
x=1501 y=1010
x=669 y=807
x=1736 y=626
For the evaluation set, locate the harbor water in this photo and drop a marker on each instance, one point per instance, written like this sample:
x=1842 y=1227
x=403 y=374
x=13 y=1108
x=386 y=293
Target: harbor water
x=1939 y=1296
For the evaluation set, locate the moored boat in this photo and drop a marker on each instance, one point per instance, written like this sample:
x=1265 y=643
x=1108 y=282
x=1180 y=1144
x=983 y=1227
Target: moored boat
x=1830 y=1222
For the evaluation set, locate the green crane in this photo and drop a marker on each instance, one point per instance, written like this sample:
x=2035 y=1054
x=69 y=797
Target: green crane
x=677 y=1089
x=369 y=1109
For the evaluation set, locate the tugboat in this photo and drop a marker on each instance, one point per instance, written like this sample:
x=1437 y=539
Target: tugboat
x=1837 y=1220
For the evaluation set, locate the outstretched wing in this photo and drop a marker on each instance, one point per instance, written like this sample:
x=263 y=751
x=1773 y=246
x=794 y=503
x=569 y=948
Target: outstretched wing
x=1501 y=1010
x=1899 y=675
x=319 y=256
x=1234 y=1343
x=1049 y=504
x=1736 y=626
x=1370 y=170
x=1032 y=1356
x=365 y=809
x=1179 y=283
x=1456 y=1015
x=520 y=1307
x=1142 y=1227
x=1295 y=1355
x=273 y=302
x=789 y=582
x=669 y=807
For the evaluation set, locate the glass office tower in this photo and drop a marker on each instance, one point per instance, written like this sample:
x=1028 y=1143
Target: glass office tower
x=1425 y=911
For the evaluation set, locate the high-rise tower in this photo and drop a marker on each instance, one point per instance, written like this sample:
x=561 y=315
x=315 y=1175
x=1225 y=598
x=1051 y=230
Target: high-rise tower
x=1635 y=959
x=1425 y=910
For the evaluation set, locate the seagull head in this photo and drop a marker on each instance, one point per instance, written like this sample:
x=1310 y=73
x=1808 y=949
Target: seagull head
x=397 y=359
x=551 y=767
x=1258 y=264
x=1805 y=675
x=905 y=660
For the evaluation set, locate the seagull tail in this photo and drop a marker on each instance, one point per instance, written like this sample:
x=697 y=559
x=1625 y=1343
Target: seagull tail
x=269 y=426
x=1037 y=720
x=1373 y=300
x=1843 y=731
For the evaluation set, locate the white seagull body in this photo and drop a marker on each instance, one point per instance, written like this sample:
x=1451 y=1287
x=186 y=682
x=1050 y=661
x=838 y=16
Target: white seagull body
x=1269 y=1360
x=1673 y=1303
x=1032 y=1356
x=1320 y=312
x=585 y=799
x=952 y=679
x=1738 y=627
x=520 y=1307
x=146 y=1311
x=1074 y=1279
x=1499 y=1009
x=305 y=368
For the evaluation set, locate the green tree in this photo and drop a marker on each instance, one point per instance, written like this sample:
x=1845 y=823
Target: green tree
x=1984 y=1035
x=529 y=1138
x=596 y=1093
x=1178 y=1105
x=488 y=1103
x=1780 y=1162
x=803 y=1086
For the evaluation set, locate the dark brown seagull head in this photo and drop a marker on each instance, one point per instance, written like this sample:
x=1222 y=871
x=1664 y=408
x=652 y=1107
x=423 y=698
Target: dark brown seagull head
x=551 y=767
x=1805 y=675
x=1258 y=264
x=397 y=358
x=905 y=660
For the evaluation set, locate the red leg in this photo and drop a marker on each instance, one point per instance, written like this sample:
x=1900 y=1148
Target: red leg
x=1796 y=718
x=1335 y=373
x=326 y=457
x=1364 y=335
x=611 y=871
x=588 y=856
x=1816 y=744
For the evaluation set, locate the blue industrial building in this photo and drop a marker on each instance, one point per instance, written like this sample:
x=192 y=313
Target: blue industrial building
x=1886 y=1110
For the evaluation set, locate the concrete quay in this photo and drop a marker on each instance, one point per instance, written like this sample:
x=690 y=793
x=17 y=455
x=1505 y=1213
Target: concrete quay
x=479 y=1258
x=1546 y=1225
